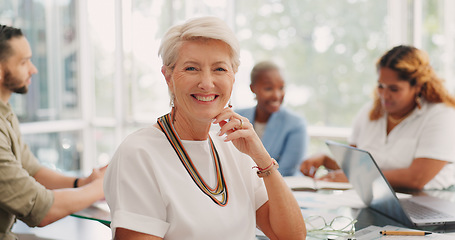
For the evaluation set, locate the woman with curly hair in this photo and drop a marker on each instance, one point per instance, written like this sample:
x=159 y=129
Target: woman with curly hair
x=409 y=128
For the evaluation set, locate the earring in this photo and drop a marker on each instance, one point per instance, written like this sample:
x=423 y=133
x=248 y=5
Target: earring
x=418 y=101
x=229 y=104
x=173 y=110
x=172 y=101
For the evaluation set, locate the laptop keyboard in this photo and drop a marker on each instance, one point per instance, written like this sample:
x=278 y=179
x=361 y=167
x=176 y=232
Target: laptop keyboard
x=418 y=211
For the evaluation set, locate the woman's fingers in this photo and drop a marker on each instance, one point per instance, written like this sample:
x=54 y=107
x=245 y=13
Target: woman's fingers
x=230 y=122
x=240 y=131
x=308 y=169
x=334 y=176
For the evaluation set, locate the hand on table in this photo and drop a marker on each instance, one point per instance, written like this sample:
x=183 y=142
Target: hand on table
x=310 y=166
x=334 y=176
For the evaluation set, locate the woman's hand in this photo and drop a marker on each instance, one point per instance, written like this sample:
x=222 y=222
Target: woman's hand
x=240 y=131
x=334 y=176
x=311 y=164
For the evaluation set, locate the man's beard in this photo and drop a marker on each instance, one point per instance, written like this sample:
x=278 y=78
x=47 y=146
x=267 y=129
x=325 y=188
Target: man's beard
x=14 y=84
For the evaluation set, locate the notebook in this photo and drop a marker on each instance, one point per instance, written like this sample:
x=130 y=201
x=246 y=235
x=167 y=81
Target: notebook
x=375 y=191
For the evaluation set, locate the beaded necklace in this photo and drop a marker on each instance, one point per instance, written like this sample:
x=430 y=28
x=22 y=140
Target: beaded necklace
x=219 y=194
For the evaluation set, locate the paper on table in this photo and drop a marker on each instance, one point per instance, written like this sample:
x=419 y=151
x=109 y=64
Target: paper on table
x=299 y=183
x=348 y=198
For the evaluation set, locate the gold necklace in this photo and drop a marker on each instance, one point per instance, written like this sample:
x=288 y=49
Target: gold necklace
x=396 y=121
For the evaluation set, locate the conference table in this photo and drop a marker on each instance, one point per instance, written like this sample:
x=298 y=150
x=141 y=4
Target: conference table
x=67 y=228
x=325 y=202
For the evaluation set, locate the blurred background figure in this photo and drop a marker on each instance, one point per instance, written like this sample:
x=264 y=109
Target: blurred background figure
x=408 y=128
x=282 y=132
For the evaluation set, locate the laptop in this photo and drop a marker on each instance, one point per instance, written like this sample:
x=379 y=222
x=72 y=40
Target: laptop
x=375 y=191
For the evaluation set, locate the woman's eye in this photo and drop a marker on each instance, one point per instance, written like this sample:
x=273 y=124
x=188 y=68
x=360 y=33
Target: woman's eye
x=190 y=69
x=220 y=69
x=394 y=89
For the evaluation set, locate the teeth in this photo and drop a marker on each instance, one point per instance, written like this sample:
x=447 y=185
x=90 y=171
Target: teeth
x=205 y=99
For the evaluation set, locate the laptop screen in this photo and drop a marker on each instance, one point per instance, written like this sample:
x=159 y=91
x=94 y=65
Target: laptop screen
x=368 y=181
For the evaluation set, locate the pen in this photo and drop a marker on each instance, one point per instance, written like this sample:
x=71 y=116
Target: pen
x=403 y=233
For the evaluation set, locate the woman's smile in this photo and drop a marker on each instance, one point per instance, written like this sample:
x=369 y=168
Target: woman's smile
x=205 y=98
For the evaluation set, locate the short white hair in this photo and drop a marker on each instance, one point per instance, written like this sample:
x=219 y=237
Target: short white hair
x=194 y=29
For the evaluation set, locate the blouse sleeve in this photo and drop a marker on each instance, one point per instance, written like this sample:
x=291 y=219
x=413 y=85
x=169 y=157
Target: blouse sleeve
x=438 y=135
x=132 y=193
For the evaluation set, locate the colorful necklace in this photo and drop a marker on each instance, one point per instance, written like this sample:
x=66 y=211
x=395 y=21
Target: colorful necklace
x=219 y=194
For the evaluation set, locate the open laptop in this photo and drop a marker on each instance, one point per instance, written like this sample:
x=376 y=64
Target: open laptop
x=375 y=191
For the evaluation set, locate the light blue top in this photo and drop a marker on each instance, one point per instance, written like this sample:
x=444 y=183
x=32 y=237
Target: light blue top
x=285 y=138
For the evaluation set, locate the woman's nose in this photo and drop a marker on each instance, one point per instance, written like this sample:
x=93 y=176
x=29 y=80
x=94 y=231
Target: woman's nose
x=384 y=94
x=278 y=94
x=206 y=81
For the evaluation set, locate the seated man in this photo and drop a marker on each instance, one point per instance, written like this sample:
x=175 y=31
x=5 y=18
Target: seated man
x=28 y=191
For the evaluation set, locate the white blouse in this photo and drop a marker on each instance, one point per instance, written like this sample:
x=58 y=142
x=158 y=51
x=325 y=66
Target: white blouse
x=148 y=190
x=428 y=132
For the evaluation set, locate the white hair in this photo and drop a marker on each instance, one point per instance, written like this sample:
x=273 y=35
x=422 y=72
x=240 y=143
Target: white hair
x=194 y=29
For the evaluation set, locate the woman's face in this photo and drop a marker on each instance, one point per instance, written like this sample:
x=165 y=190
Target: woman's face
x=202 y=79
x=397 y=96
x=269 y=90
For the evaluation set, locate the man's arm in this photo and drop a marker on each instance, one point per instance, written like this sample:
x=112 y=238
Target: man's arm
x=52 y=179
x=68 y=201
x=55 y=180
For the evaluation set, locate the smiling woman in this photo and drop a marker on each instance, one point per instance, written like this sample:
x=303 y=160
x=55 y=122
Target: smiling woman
x=201 y=184
x=200 y=83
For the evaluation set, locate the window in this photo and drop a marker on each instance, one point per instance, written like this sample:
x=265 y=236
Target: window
x=50 y=112
x=327 y=50
x=99 y=74
x=435 y=32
